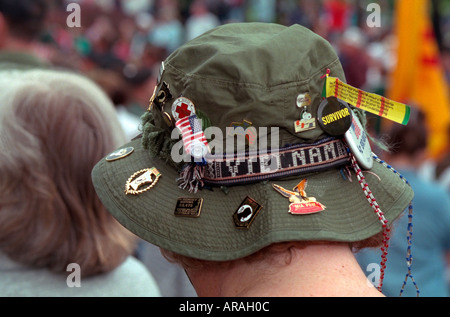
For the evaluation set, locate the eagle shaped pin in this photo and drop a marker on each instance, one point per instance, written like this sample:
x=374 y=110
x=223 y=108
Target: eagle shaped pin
x=300 y=203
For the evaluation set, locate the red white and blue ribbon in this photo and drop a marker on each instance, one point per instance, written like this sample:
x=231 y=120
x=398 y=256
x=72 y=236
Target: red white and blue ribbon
x=194 y=140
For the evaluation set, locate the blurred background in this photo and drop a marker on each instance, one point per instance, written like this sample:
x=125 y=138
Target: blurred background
x=400 y=49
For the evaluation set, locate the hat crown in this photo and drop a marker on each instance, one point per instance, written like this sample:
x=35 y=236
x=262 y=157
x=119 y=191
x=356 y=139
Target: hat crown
x=253 y=72
x=260 y=54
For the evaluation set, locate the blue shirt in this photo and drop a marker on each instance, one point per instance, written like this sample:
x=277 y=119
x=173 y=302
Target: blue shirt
x=430 y=242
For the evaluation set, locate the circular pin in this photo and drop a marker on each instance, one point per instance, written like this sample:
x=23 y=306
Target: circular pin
x=182 y=107
x=358 y=143
x=198 y=149
x=306 y=115
x=303 y=100
x=118 y=154
x=334 y=116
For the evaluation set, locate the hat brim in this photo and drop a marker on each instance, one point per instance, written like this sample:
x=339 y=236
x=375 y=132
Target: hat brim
x=214 y=236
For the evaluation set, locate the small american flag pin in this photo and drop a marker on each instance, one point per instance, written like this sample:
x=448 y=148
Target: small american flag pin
x=194 y=140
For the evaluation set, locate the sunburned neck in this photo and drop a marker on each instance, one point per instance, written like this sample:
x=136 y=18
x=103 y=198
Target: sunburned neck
x=316 y=270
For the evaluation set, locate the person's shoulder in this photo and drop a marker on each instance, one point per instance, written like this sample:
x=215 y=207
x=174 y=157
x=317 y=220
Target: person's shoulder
x=133 y=267
x=424 y=186
x=21 y=60
x=435 y=190
x=134 y=279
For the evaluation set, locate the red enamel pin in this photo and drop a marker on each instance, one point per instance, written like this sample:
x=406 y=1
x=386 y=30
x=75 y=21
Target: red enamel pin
x=301 y=204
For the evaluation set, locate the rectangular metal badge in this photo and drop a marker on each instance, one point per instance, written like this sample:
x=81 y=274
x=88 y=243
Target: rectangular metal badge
x=305 y=125
x=188 y=207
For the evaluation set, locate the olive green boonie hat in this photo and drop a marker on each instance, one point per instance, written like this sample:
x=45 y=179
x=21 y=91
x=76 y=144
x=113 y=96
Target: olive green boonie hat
x=293 y=177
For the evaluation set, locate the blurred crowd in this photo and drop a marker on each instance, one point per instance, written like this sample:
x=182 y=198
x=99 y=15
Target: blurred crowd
x=120 y=43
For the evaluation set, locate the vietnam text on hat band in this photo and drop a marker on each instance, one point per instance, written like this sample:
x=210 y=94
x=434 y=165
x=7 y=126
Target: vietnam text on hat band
x=293 y=160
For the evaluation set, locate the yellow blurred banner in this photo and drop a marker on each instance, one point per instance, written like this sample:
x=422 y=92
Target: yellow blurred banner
x=372 y=103
x=418 y=78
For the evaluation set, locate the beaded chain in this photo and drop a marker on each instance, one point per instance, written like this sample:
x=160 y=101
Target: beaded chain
x=373 y=203
x=409 y=234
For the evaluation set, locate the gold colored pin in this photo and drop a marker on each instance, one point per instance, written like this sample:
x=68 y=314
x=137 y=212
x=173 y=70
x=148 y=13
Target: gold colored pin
x=152 y=99
x=188 y=207
x=168 y=119
x=301 y=204
x=142 y=178
x=118 y=154
x=248 y=131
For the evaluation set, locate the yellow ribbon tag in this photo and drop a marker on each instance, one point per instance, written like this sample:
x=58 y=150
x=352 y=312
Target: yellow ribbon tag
x=369 y=102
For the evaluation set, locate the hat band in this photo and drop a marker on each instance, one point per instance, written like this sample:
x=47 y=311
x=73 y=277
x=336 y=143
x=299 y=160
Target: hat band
x=288 y=161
